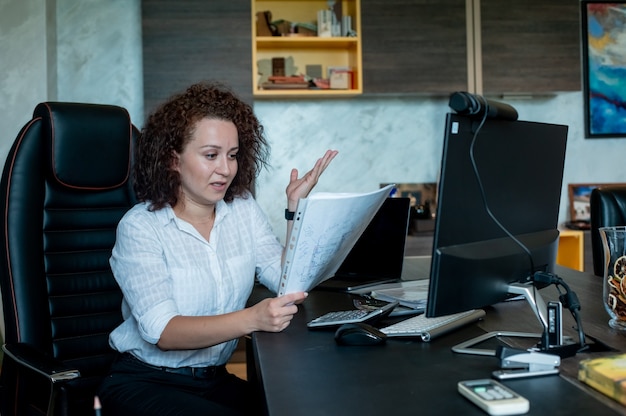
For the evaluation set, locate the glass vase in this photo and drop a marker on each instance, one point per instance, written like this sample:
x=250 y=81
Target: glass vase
x=614 y=285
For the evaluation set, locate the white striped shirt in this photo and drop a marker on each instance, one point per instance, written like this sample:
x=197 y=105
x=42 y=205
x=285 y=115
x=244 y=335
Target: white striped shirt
x=166 y=268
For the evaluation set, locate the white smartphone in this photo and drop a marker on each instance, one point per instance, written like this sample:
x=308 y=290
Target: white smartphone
x=493 y=397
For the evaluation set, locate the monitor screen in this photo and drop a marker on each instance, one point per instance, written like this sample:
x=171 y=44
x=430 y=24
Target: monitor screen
x=497 y=213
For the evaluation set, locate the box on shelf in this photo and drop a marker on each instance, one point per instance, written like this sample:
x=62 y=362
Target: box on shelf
x=340 y=78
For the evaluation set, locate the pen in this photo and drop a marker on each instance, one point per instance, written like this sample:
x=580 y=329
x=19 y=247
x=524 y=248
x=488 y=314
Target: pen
x=97 y=407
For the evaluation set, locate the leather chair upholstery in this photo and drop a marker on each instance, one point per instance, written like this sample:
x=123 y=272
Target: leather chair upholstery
x=65 y=186
x=608 y=208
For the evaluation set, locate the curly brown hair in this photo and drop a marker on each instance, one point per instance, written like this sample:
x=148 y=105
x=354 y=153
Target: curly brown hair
x=171 y=126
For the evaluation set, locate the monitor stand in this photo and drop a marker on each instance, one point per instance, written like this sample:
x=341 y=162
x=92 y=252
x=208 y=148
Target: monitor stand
x=537 y=304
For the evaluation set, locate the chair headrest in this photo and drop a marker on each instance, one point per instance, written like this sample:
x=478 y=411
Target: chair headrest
x=90 y=144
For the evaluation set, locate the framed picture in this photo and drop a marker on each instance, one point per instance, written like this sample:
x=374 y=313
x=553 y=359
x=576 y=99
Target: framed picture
x=604 y=73
x=579 y=196
x=420 y=194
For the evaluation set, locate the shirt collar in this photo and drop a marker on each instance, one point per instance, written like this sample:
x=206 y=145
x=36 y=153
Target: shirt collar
x=166 y=215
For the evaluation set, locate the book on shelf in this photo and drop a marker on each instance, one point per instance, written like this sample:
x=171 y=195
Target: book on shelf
x=283 y=86
x=276 y=82
x=294 y=79
x=605 y=374
x=326 y=227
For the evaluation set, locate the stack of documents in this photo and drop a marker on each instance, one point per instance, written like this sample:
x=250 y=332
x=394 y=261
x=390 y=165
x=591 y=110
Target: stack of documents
x=411 y=294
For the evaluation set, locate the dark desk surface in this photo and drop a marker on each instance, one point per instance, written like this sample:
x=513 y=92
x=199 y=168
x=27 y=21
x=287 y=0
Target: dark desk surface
x=304 y=372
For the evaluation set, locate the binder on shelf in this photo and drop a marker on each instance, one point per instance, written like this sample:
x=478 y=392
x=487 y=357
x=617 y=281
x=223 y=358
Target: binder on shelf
x=325 y=228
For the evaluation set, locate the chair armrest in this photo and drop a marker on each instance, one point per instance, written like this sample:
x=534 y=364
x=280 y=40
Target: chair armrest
x=27 y=356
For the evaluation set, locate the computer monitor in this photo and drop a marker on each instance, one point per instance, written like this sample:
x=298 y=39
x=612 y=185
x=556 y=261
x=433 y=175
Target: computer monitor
x=497 y=213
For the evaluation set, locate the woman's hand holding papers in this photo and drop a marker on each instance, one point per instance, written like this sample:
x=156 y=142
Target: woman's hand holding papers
x=275 y=314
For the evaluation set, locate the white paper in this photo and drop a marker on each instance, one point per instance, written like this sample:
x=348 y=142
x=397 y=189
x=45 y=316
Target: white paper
x=326 y=227
x=412 y=294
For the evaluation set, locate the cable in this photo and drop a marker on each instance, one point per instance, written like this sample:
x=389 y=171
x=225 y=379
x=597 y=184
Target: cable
x=482 y=189
x=569 y=298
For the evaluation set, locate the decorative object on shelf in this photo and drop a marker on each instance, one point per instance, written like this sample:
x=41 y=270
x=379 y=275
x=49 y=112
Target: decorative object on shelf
x=283 y=27
x=340 y=77
x=314 y=71
x=278 y=67
x=304 y=29
x=346 y=26
x=604 y=58
x=264 y=67
x=264 y=25
x=325 y=23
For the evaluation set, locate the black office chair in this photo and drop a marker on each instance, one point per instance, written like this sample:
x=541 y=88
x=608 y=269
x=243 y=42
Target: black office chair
x=64 y=188
x=608 y=208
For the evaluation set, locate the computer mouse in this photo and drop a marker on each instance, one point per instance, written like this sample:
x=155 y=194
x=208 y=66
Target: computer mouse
x=359 y=334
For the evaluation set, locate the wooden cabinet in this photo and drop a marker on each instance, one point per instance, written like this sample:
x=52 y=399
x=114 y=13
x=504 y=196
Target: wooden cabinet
x=188 y=41
x=417 y=46
x=530 y=46
x=431 y=47
x=298 y=50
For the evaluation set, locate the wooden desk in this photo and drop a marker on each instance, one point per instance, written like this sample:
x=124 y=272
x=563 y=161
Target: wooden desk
x=304 y=372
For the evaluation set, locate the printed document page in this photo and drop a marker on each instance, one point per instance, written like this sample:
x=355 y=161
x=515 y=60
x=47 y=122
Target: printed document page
x=326 y=227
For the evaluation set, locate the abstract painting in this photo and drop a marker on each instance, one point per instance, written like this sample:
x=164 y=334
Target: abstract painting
x=604 y=68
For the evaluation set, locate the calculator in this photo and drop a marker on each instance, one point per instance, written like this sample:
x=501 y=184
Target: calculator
x=336 y=318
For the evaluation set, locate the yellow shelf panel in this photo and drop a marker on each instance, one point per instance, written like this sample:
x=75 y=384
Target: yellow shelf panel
x=295 y=93
x=305 y=42
x=571 y=252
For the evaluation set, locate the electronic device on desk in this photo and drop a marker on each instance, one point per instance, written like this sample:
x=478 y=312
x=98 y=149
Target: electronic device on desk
x=429 y=328
x=493 y=397
x=378 y=255
x=337 y=318
x=359 y=334
x=496 y=230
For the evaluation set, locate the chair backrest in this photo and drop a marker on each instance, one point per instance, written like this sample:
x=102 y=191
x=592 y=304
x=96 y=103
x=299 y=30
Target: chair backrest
x=65 y=186
x=608 y=208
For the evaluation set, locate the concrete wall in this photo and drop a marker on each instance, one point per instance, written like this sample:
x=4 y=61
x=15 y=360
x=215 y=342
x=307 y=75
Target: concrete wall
x=66 y=50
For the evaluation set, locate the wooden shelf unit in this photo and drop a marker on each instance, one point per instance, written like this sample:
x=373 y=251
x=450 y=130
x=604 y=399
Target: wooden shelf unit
x=307 y=50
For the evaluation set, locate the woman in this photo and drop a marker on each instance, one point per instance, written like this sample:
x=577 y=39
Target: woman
x=187 y=255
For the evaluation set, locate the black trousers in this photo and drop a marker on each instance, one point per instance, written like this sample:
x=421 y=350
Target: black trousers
x=135 y=389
